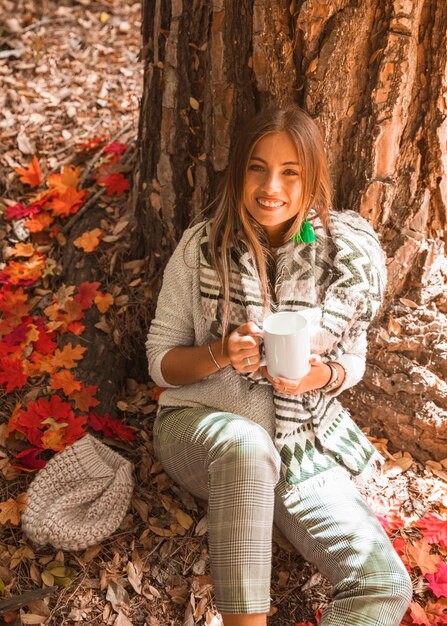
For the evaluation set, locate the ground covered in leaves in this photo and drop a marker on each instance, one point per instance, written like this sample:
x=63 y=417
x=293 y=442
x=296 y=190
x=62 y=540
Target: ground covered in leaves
x=70 y=86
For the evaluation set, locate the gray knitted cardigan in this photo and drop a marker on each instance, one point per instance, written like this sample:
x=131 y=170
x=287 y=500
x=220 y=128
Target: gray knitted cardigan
x=180 y=320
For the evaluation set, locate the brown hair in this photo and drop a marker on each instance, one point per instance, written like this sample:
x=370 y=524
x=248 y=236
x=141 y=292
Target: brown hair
x=316 y=193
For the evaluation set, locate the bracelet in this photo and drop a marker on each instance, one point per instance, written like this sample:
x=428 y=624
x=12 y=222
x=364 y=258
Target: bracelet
x=334 y=380
x=212 y=356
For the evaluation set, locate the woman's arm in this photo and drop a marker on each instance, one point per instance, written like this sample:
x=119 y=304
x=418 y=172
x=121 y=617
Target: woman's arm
x=173 y=358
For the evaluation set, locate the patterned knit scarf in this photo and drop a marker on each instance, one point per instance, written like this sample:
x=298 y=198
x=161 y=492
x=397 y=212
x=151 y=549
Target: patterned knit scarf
x=343 y=273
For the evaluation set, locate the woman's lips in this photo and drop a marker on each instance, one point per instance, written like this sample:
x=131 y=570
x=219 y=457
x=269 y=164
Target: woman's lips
x=269 y=204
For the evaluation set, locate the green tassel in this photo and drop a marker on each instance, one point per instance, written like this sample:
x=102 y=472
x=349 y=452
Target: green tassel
x=306 y=234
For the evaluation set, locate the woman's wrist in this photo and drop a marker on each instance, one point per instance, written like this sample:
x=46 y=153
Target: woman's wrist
x=336 y=379
x=218 y=354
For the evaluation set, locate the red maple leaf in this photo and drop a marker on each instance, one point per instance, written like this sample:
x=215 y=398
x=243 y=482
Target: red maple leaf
x=110 y=427
x=115 y=148
x=86 y=294
x=434 y=528
x=11 y=373
x=76 y=328
x=45 y=344
x=18 y=210
x=438 y=581
x=116 y=184
x=30 y=460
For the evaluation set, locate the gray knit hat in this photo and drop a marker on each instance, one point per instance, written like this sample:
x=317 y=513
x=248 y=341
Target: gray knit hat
x=80 y=497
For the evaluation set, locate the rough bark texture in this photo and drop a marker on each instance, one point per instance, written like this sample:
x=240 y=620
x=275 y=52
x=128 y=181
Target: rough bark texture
x=373 y=76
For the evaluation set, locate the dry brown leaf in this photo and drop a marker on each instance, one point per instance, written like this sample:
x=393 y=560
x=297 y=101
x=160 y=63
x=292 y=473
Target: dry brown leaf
x=91 y=553
x=211 y=619
x=122 y=620
x=161 y=532
x=32 y=618
x=409 y=303
x=141 y=508
x=11 y=509
x=394 y=327
x=201 y=526
x=194 y=103
x=117 y=595
x=184 y=519
x=134 y=577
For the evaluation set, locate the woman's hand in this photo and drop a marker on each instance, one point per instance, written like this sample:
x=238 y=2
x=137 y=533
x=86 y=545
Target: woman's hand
x=319 y=375
x=243 y=348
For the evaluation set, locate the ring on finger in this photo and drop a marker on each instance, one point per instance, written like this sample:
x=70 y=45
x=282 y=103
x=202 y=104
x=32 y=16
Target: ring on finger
x=248 y=361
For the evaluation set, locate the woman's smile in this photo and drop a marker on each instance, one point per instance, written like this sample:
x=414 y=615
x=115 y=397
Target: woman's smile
x=272 y=186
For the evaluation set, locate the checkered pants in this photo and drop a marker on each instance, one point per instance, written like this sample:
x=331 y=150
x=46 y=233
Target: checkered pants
x=233 y=463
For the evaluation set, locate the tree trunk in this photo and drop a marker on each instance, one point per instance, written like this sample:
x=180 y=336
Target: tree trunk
x=372 y=75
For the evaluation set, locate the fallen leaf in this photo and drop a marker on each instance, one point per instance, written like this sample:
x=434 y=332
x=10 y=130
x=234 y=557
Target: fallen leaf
x=90 y=240
x=31 y=175
x=11 y=509
x=117 y=595
x=104 y=301
x=438 y=581
x=134 y=577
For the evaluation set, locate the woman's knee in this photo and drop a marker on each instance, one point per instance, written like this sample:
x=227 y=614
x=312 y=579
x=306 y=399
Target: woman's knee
x=242 y=442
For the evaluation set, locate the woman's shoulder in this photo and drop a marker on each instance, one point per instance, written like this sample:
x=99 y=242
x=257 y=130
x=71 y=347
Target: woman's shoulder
x=188 y=246
x=349 y=221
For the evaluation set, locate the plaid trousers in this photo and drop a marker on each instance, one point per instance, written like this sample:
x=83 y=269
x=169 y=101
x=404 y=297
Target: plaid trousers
x=232 y=462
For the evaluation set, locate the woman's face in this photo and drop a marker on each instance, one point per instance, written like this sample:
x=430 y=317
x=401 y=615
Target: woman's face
x=272 y=186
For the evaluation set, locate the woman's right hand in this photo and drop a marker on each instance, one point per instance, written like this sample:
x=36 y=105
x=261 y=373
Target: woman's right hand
x=243 y=348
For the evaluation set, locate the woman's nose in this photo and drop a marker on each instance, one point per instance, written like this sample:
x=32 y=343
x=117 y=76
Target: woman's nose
x=272 y=182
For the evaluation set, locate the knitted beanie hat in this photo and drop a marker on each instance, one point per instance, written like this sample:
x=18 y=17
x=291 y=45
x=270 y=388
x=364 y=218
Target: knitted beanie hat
x=80 y=497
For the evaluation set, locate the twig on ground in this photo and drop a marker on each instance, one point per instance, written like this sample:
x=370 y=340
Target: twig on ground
x=14 y=603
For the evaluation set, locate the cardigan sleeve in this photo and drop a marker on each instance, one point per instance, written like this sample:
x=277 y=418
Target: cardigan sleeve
x=173 y=324
x=354 y=363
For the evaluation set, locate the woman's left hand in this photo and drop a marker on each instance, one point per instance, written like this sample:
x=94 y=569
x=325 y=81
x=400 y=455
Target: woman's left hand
x=318 y=376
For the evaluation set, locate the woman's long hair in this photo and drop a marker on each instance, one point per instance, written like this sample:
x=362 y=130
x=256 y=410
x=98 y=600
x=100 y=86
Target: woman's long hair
x=316 y=193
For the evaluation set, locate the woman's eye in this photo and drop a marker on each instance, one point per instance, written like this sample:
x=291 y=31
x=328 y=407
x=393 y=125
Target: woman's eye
x=254 y=167
x=291 y=173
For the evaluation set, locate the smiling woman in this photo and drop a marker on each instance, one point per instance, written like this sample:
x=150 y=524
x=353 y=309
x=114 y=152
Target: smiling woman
x=264 y=449
x=273 y=188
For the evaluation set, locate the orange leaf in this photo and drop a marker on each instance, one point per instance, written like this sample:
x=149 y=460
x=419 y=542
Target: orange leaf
x=432 y=614
x=70 y=201
x=23 y=249
x=68 y=356
x=90 y=240
x=104 y=301
x=65 y=380
x=10 y=509
x=418 y=555
x=39 y=222
x=24 y=272
x=31 y=175
x=73 y=311
x=68 y=178
x=53 y=440
x=84 y=399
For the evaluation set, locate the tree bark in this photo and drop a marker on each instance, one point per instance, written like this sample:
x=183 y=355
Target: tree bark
x=373 y=76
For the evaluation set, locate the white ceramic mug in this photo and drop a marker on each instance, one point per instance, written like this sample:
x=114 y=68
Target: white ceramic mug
x=287 y=345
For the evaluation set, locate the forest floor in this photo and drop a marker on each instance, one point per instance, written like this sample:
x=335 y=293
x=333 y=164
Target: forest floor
x=70 y=84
